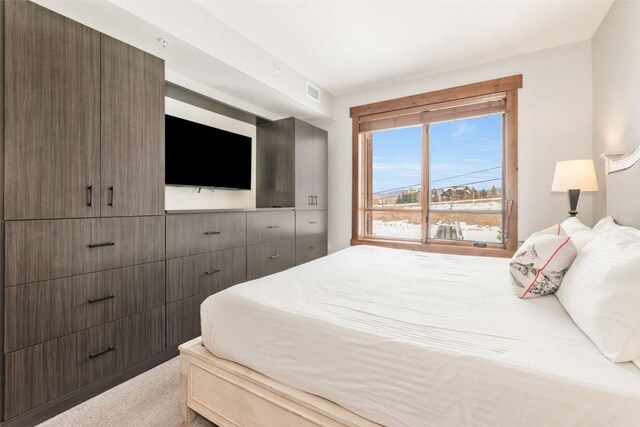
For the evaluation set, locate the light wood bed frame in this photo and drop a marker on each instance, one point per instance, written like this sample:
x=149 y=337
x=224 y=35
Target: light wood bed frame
x=230 y=394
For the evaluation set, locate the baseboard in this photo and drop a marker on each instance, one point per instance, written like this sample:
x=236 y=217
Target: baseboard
x=69 y=400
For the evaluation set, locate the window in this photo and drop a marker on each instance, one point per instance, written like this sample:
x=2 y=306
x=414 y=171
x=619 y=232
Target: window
x=440 y=176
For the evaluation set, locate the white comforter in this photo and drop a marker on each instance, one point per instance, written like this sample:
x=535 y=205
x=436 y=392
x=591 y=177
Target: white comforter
x=414 y=339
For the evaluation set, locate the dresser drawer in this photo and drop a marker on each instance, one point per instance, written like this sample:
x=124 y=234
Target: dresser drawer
x=42 y=311
x=309 y=248
x=43 y=250
x=211 y=272
x=269 y=258
x=270 y=226
x=38 y=374
x=183 y=319
x=192 y=234
x=137 y=240
x=310 y=222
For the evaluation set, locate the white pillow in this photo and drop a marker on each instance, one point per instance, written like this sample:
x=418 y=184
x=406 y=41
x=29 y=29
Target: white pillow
x=608 y=224
x=601 y=293
x=539 y=265
x=605 y=224
x=580 y=233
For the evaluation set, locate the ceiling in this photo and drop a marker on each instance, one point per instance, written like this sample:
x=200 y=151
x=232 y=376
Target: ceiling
x=259 y=55
x=346 y=46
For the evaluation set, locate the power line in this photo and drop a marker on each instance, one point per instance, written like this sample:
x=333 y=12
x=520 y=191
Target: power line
x=466 y=174
x=445 y=179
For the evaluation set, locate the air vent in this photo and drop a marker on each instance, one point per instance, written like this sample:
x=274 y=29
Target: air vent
x=313 y=92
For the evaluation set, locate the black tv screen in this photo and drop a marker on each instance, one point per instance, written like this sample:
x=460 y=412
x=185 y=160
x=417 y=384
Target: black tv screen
x=203 y=156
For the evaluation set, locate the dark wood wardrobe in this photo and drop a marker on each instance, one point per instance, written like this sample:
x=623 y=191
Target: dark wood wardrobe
x=83 y=212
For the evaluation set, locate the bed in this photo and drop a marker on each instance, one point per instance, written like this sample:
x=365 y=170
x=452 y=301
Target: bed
x=372 y=336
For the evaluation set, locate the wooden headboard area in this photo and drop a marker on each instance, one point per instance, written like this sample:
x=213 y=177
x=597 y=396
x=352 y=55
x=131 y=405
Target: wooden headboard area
x=623 y=189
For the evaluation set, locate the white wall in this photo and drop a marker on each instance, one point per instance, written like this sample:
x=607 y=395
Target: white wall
x=184 y=198
x=616 y=86
x=555 y=122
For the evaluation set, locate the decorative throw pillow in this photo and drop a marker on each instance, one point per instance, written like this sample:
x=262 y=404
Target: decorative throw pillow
x=539 y=265
x=602 y=295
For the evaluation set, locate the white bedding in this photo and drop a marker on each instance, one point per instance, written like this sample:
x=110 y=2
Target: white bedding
x=414 y=339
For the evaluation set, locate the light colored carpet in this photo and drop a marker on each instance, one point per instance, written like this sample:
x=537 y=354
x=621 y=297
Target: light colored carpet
x=150 y=399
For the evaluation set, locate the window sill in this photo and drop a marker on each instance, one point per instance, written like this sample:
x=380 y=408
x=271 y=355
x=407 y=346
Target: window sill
x=442 y=248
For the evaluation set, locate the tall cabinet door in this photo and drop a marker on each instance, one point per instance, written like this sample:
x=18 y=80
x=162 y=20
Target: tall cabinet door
x=319 y=168
x=304 y=165
x=52 y=112
x=132 y=93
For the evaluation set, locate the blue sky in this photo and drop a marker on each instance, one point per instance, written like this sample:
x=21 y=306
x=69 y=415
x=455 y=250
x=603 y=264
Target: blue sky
x=456 y=148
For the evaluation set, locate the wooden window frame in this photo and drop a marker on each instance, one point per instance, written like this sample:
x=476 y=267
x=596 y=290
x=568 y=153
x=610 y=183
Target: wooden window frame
x=488 y=97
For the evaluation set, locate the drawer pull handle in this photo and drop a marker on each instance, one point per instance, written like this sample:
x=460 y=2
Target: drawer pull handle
x=274 y=256
x=211 y=233
x=100 y=353
x=214 y=271
x=273 y=226
x=313 y=222
x=110 y=196
x=313 y=247
x=104 y=298
x=99 y=245
x=90 y=196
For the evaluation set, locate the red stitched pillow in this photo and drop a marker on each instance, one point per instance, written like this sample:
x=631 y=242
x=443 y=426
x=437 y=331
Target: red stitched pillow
x=539 y=265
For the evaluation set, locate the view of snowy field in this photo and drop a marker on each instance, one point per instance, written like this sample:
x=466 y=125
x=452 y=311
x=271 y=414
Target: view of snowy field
x=406 y=223
x=405 y=230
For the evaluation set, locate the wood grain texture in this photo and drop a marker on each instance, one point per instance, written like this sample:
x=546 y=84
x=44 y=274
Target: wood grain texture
x=40 y=373
x=71 y=399
x=304 y=165
x=138 y=240
x=132 y=113
x=140 y=337
x=49 y=249
x=228 y=393
x=319 y=168
x=311 y=247
x=211 y=272
x=46 y=310
x=275 y=164
x=52 y=112
x=460 y=92
x=183 y=319
x=270 y=226
x=186 y=233
x=41 y=250
x=269 y=258
x=311 y=222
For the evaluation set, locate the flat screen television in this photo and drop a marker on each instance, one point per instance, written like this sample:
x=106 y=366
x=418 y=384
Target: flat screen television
x=203 y=156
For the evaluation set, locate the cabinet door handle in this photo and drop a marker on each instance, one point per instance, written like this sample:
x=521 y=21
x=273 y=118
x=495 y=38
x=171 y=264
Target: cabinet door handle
x=310 y=200
x=110 y=196
x=313 y=222
x=214 y=271
x=90 y=196
x=313 y=247
x=99 y=245
x=100 y=353
x=211 y=233
x=273 y=226
x=315 y=200
x=274 y=256
x=104 y=298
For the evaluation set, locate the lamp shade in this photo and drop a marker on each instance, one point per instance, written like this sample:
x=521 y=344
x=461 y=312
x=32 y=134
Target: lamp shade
x=575 y=175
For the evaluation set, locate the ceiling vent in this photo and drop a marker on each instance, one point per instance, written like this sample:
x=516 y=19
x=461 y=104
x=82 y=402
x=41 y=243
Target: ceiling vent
x=313 y=92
